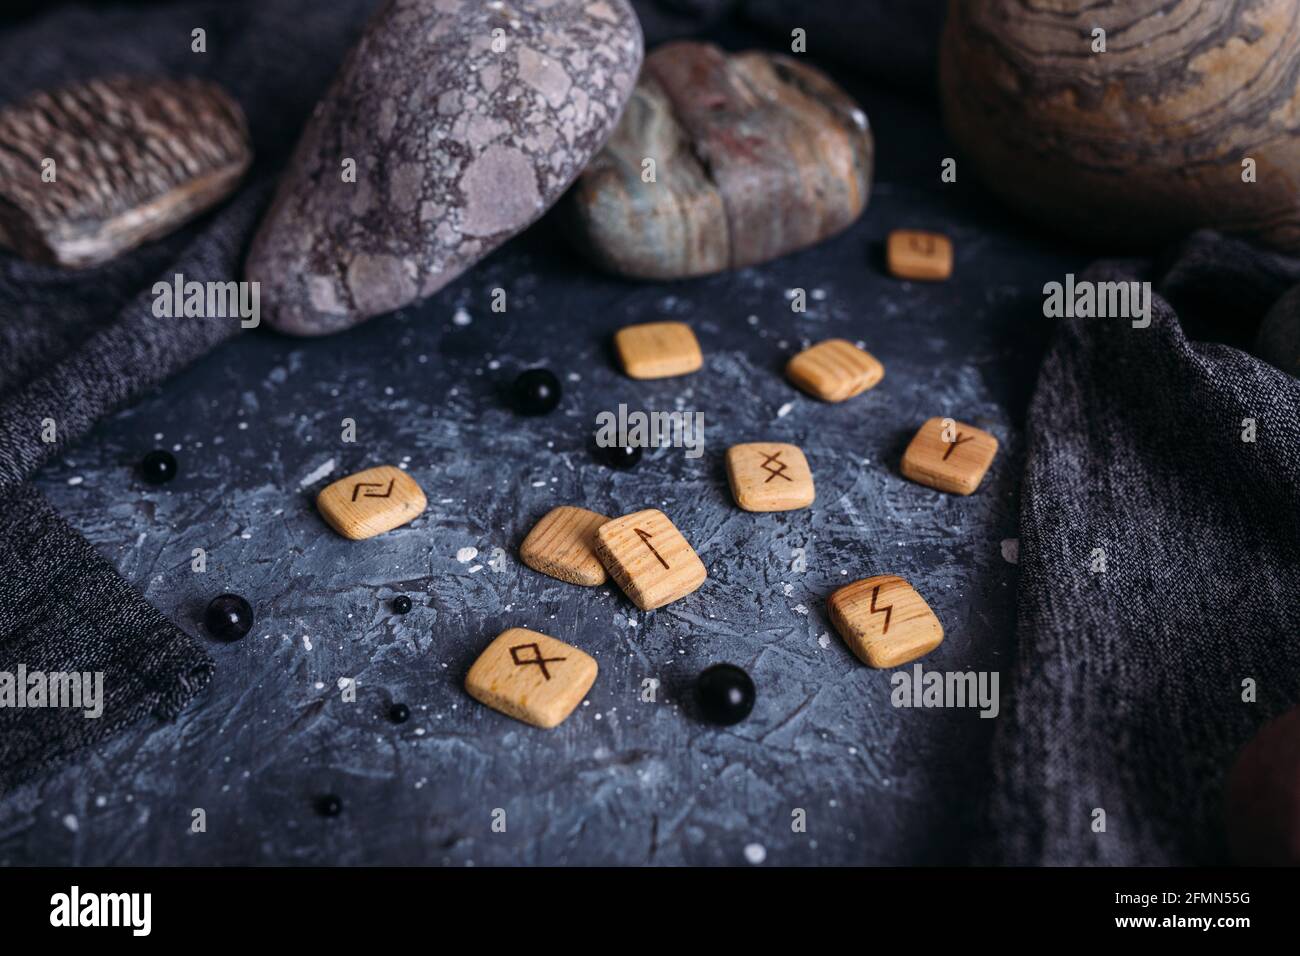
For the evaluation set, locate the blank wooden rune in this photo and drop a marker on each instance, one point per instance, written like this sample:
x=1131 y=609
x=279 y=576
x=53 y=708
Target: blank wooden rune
x=133 y=159
x=531 y=677
x=884 y=621
x=563 y=545
x=658 y=350
x=949 y=456
x=371 y=502
x=768 y=476
x=834 y=370
x=648 y=557
x=919 y=255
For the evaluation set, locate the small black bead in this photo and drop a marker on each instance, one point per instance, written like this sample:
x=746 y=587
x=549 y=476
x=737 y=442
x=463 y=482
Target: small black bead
x=725 y=694
x=536 y=392
x=402 y=604
x=399 y=713
x=621 y=456
x=329 y=805
x=158 y=467
x=228 y=617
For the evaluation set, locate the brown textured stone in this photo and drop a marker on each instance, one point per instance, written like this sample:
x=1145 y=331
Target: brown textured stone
x=755 y=155
x=1143 y=142
x=462 y=137
x=1264 y=796
x=134 y=158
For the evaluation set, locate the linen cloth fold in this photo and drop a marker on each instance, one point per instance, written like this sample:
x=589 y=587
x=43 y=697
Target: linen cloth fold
x=1129 y=684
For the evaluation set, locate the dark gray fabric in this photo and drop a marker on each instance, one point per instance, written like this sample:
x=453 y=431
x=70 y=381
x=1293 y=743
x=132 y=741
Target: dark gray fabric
x=1128 y=688
x=75 y=345
x=893 y=42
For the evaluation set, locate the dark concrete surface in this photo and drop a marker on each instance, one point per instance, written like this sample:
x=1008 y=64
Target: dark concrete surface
x=622 y=781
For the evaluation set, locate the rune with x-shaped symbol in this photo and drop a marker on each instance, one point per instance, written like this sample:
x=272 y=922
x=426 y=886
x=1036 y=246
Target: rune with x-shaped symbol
x=537 y=657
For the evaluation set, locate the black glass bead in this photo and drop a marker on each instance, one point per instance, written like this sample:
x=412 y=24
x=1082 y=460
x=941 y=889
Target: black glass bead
x=228 y=617
x=621 y=456
x=402 y=604
x=329 y=805
x=725 y=694
x=158 y=467
x=399 y=713
x=535 y=392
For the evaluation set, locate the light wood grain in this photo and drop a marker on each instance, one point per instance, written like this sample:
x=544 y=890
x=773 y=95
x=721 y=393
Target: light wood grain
x=531 y=677
x=658 y=350
x=911 y=254
x=950 y=456
x=563 y=545
x=769 y=476
x=371 y=502
x=649 y=558
x=834 y=370
x=884 y=621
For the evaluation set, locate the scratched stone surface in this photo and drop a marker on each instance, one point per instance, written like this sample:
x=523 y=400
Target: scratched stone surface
x=256 y=427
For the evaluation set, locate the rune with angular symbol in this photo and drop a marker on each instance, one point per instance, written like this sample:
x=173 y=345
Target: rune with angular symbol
x=536 y=658
x=769 y=476
x=884 y=621
x=371 y=502
x=531 y=677
x=649 y=558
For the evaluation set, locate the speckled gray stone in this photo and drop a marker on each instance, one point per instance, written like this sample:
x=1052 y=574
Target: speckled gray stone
x=466 y=121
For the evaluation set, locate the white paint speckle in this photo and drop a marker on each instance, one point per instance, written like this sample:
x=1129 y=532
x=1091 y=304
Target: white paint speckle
x=785 y=410
x=71 y=823
x=306 y=642
x=1011 y=550
x=755 y=853
x=76 y=480
x=461 y=317
x=824 y=641
x=317 y=474
x=466 y=555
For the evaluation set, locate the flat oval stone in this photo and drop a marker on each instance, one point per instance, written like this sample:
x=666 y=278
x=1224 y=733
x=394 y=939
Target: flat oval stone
x=466 y=121
x=133 y=158
x=1264 y=796
x=754 y=155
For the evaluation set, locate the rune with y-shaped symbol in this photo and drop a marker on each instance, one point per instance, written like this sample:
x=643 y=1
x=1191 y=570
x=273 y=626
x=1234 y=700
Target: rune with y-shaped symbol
x=537 y=658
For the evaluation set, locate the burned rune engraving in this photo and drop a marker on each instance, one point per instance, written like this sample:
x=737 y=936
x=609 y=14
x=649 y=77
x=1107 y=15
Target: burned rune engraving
x=888 y=610
x=356 y=489
x=924 y=244
x=646 y=536
x=952 y=446
x=778 y=471
x=537 y=658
